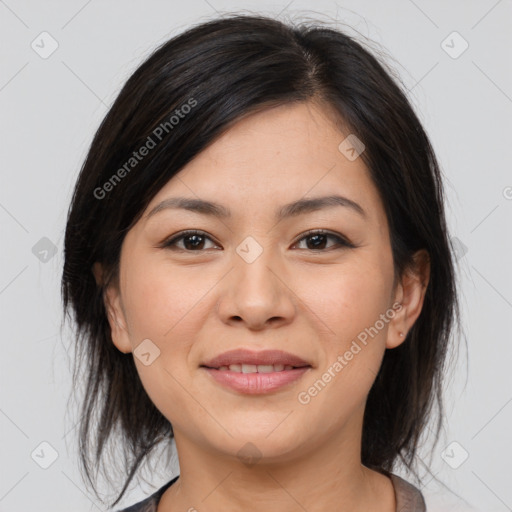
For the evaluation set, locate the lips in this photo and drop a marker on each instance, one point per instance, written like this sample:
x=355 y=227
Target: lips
x=256 y=383
x=248 y=358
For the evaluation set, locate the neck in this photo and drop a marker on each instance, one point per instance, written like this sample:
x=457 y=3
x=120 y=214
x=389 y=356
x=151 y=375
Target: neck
x=326 y=476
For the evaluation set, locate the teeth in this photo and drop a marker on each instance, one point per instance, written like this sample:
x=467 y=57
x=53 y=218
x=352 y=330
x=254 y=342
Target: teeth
x=260 y=368
x=249 y=368
x=266 y=368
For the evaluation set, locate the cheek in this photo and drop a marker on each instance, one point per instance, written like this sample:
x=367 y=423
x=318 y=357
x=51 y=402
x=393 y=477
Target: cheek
x=352 y=355
x=352 y=298
x=350 y=305
x=167 y=306
x=158 y=298
x=162 y=306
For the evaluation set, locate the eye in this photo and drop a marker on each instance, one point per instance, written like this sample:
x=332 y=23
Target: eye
x=193 y=240
x=319 y=238
x=196 y=240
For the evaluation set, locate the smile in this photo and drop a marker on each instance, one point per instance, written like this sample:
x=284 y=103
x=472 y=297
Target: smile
x=253 y=368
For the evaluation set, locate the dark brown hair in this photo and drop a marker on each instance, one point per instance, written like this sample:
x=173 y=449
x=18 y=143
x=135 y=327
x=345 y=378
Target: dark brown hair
x=231 y=67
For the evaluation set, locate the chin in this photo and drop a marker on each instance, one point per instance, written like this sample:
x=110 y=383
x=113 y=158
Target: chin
x=252 y=446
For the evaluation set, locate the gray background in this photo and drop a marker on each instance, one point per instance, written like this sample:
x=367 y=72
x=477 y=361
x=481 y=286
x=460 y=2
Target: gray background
x=50 y=108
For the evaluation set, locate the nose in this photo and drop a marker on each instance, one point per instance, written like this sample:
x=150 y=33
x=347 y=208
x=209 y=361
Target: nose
x=258 y=295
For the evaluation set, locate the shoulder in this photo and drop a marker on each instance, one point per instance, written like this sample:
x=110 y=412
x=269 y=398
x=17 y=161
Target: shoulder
x=150 y=503
x=408 y=497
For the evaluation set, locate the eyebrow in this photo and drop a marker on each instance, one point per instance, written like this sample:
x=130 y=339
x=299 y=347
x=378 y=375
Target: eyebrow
x=293 y=209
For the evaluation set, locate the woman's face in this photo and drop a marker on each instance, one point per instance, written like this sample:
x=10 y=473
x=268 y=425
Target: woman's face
x=257 y=281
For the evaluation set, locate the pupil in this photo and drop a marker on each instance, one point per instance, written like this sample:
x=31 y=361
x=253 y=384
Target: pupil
x=197 y=241
x=316 y=245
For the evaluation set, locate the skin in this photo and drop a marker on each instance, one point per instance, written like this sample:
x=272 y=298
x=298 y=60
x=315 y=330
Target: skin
x=310 y=302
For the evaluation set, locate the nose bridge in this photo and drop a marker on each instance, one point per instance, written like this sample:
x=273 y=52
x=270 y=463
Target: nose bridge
x=254 y=274
x=258 y=274
x=256 y=292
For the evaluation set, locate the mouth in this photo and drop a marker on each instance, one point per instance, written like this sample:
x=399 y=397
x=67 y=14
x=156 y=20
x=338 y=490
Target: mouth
x=251 y=372
x=249 y=361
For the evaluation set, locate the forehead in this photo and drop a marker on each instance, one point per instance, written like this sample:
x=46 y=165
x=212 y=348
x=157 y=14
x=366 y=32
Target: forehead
x=274 y=157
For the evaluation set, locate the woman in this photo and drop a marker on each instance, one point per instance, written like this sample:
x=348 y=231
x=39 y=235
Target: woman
x=258 y=265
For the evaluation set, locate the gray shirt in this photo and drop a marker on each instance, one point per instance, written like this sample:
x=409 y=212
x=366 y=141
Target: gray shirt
x=408 y=497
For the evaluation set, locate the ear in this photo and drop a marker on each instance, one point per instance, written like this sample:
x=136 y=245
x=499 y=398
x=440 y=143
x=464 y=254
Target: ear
x=410 y=294
x=114 y=310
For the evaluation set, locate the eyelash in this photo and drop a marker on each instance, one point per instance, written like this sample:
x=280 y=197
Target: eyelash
x=342 y=242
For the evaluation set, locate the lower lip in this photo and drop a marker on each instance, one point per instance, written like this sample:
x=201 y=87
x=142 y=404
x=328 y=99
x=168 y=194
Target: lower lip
x=256 y=383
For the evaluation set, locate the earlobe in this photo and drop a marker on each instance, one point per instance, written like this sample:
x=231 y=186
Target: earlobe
x=410 y=294
x=397 y=332
x=114 y=311
x=117 y=320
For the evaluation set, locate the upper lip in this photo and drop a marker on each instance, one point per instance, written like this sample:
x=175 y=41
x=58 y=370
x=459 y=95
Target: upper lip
x=263 y=357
